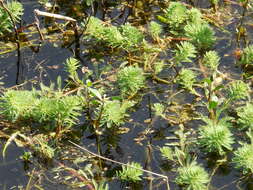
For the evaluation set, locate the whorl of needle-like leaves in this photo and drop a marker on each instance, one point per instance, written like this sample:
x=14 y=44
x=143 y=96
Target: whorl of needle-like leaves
x=177 y=16
x=201 y=35
x=247 y=56
x=243 y=158
x=130 y=174
x=115 y=112
x=245 y=114
x=184 y=52
x=71 y=67
x=216 y=137
x=130 y=79
x=193 y=177
x=155 y=29
x=211 y=60
x=186 y=78
x=238 y=90
x=126 y=37
x=36 y=106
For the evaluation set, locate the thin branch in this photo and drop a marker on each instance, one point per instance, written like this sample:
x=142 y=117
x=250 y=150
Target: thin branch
x=52 y=15
x=37 y=25
x=56 y=16
x=123 y=164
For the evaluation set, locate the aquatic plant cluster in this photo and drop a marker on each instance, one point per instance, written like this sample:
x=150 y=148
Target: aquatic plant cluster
x=6 y=21
x=198 y=110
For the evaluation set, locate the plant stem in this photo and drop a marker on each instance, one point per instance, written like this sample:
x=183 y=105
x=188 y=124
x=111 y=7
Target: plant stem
x=80 y=177
x=99 y=149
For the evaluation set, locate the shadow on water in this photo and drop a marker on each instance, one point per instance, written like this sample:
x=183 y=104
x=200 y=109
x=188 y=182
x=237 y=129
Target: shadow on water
x=12 y=169
x=43 y=66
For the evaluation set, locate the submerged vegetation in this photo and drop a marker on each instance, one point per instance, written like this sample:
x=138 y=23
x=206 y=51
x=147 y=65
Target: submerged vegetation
x=160 y=91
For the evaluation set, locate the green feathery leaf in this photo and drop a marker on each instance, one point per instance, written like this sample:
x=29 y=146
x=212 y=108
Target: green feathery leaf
x=185 y=51
x=247 y=56
x=211 y=59
x=238 y=90
x=216 y=138
x=201 y=35
x=71 y=66
x=130 y=79
x=16 y=10
x=115 y=112
x=245 y=114
x=193 y=176
x=186 y=79
x=167 y=153
x=243 y=158
x=18 y=104
x=155 y=29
